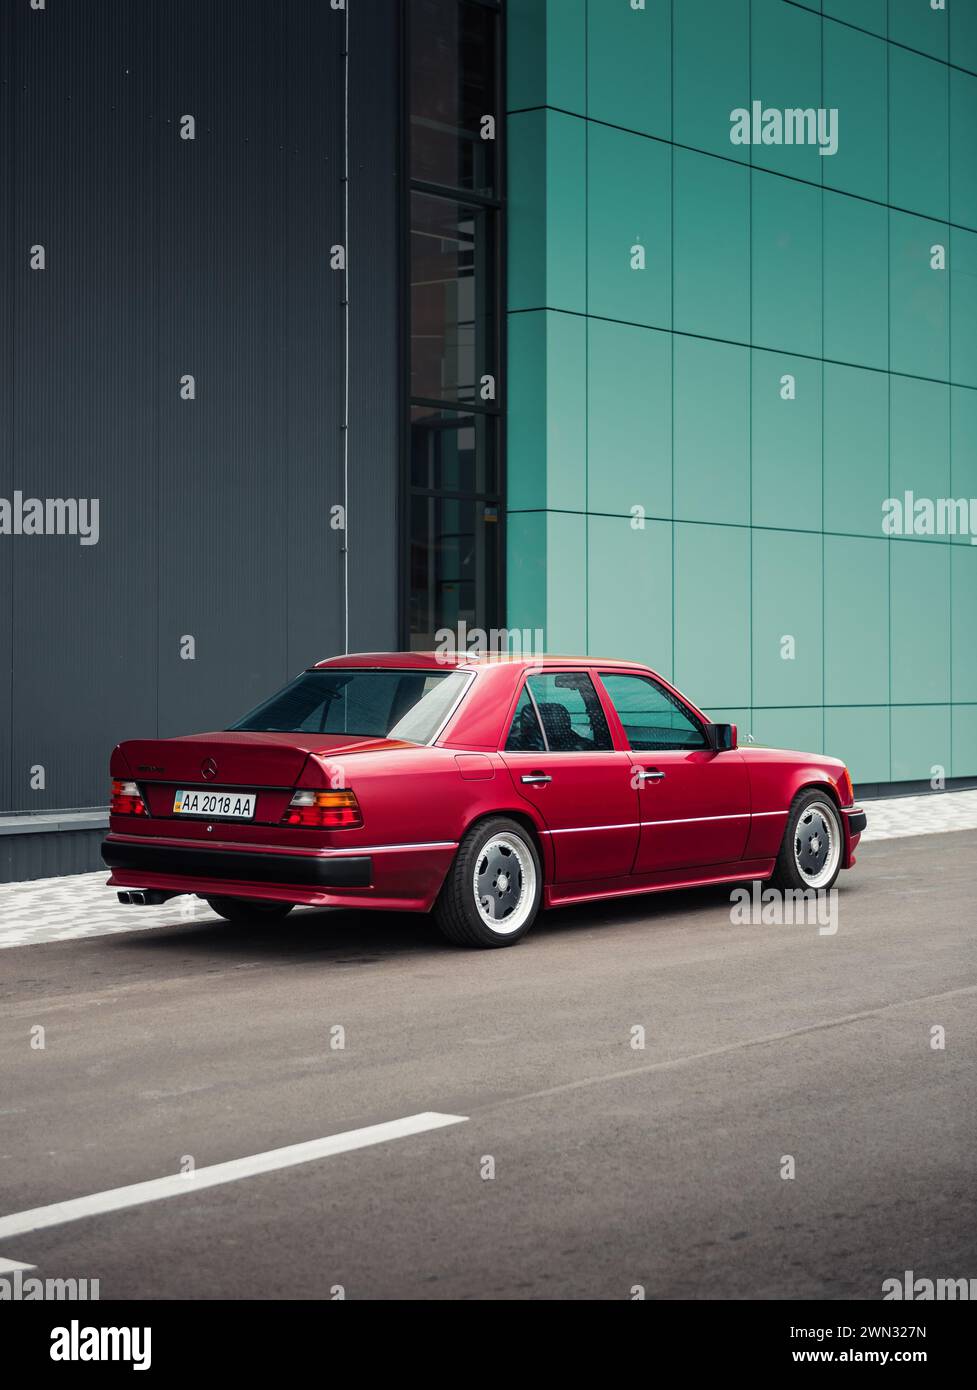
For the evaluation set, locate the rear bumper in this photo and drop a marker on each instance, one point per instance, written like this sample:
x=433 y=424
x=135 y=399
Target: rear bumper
x=302 y=870
x=404 y=877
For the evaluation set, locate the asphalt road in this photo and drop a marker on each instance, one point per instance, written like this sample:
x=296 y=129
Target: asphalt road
x=613 y=1166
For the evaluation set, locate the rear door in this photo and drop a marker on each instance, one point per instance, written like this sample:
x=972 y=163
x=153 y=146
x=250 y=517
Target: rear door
x=561 y=758
x=694 y=802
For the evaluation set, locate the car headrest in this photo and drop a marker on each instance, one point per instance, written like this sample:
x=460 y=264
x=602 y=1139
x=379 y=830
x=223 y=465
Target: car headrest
x=556 y=722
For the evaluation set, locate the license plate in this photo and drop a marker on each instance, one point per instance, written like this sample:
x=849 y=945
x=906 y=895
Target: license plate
x=219 y=805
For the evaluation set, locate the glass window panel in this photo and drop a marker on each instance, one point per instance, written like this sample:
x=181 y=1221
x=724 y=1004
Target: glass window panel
x=452 y=298
x=572 y=715
x=453 y=478
x=453 y=66
x=651 y=717
x=453 y=452
x=409 y=705
x=454 y=566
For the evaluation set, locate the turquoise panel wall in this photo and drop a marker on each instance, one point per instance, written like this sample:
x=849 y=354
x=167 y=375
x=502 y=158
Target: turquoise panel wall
x=725 y=357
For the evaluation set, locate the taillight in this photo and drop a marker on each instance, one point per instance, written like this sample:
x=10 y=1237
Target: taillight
x=333 y=808
x=127 y=800
x=846 y=789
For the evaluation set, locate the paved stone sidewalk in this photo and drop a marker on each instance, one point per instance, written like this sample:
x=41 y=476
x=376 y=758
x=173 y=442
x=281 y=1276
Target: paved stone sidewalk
x=921 y=815
x=60 y=909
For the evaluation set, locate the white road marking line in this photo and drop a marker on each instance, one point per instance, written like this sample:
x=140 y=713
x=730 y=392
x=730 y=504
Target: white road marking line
x=11 y=1266
x=183 y=1185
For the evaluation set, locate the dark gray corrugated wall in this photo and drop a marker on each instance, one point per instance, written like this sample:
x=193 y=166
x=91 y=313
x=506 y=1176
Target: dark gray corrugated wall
x=210 y=258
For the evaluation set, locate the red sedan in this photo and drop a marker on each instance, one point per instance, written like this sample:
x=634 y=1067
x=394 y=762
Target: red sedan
x=477 y=787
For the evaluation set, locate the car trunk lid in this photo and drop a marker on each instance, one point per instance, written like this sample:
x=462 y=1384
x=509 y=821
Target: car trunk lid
x=271 y=764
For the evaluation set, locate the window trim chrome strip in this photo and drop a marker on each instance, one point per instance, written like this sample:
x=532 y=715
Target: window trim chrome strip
x=539 y=718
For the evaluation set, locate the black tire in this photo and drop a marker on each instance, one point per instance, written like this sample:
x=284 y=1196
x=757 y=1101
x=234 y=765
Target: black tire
x=249 y=909
x=811 y=812
x=489 y=848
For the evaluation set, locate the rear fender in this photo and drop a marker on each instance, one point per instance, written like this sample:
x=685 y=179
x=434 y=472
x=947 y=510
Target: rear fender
x=523 y=815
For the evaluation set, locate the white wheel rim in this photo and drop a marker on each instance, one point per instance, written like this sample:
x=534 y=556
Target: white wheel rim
x=817 y=844
x=504 y=884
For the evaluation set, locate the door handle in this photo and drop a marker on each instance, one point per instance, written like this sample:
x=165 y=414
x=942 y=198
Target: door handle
x=536 y=777
x=649 y=774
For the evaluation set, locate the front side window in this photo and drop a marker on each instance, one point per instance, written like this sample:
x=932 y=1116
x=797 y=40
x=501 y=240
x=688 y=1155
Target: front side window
x=409 y=705
x=572 y=717
x=653 y=719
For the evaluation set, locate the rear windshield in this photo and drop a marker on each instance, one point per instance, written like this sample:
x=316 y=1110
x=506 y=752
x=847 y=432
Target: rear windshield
x=409 y=705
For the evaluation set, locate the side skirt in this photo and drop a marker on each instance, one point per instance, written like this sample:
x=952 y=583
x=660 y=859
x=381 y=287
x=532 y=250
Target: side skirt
x=562 y=894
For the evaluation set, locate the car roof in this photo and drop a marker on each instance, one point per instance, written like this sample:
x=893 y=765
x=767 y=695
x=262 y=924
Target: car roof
x=467 y=660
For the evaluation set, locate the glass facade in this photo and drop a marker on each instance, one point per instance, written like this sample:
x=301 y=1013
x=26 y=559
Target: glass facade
x=726 y=356
x=454 y=67
x=452 y=309
x=454 y=466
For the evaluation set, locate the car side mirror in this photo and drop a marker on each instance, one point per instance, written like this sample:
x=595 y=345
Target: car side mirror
x=721 y=737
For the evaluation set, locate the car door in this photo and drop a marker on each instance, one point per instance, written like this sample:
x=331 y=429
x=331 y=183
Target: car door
x=561 y=757
x=694 y=802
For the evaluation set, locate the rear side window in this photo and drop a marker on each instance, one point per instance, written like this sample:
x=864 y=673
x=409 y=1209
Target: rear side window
x=652 y=718
x=525 y=735
x=573 y=720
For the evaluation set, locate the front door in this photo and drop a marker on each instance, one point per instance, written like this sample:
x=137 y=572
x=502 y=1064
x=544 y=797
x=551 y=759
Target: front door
x=694 y=802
